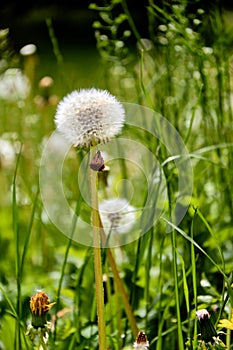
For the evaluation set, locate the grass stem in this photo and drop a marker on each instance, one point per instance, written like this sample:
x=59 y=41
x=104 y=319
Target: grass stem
x=175 y=272
x=17 y=255
x=73 y=227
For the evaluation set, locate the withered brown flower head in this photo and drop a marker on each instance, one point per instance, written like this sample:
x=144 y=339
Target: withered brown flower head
x=39 y=304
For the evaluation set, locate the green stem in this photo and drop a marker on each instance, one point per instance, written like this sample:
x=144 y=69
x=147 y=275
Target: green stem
x=118 y=315
x=131 y=23
x=56 y=49
x=194 y=279
x=175 y=271
x=228 y=337
x=148 y=265
x=73 y=227
x=42 y=343
x=97 y=256
x=17 y=256
x=28 y=235
x=120 y=287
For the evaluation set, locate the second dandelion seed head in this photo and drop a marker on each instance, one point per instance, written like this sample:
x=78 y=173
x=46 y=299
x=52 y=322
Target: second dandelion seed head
x=117 y=214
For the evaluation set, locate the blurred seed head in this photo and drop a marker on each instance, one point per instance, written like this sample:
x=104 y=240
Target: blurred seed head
x=28 y=50
x=117 y=215
x=14 y=85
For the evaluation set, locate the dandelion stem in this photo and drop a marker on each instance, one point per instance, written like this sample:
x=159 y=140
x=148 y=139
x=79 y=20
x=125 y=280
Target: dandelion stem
x=97 y=256
x=120 y=285
x=42 y=344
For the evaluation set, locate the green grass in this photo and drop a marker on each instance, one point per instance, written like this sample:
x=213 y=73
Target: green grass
x=173 y=269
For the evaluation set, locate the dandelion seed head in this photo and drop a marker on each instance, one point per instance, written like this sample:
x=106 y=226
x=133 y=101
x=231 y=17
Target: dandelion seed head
x=7 y=153
x=14 y=85
x=89 y=116
x=28 y=50
x=117 y=214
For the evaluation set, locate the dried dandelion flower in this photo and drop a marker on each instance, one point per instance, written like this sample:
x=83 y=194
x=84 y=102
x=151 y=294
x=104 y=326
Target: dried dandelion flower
x=39 y=306
x=38 y=330
x=89 y=116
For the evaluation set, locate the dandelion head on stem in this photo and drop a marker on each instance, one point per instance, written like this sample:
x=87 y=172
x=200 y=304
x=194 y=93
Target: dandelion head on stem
x=39 y=328
x=39 y=306
x=208 y=332
x=89 y=116
x=39 y=303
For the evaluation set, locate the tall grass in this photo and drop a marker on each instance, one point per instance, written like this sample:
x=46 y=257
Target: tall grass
x=182 y=69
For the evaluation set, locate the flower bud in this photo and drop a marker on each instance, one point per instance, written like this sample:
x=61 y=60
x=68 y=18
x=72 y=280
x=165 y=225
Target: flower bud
x=206 y=326
x=141 y=341
x=97 y=163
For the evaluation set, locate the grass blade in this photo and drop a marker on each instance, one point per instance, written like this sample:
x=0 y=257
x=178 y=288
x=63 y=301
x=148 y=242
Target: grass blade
x=17 y=255
x=190 y=239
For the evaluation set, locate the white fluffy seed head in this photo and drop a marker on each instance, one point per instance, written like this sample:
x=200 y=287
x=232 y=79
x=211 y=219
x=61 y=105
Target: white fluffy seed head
x=14 y=85
x=117 y=215
x=89 y=116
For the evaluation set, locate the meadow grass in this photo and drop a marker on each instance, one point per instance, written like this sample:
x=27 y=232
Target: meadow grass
x=183 y=71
